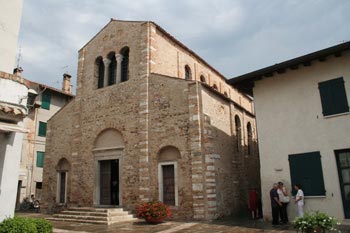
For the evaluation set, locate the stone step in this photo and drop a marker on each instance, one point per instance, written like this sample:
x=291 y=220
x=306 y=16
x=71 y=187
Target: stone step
x=91 y=221
x=77 y=220
x=91 y=209
x=88 y=217
x=93 y=215
x=90 y=213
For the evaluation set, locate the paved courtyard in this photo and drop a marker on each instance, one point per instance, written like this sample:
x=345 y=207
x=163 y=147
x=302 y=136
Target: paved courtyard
x=226 y=225
x=219 y=226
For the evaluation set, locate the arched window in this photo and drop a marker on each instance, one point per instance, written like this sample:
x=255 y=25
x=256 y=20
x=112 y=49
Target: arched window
x=125 y=64
x=112 y=69
x=188 y=74
x=62 y=168
x=215 y=87
x=202 y=78
x=250 y=138
x=167 y=180
x=100 y=71
x=238 y=132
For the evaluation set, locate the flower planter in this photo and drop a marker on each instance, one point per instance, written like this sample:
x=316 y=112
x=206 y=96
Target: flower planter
x=152 y=220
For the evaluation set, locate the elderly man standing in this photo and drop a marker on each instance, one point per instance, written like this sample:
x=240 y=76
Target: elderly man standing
x=275 y=204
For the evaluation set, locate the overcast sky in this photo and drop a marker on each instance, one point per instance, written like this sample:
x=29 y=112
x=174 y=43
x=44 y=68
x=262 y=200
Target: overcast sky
x=234 y=36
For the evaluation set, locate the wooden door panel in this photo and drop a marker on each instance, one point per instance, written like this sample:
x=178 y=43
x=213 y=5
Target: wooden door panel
x=105 y=182
x=168 y=184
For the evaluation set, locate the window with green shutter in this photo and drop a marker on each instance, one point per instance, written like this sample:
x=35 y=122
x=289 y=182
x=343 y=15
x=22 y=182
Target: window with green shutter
x=306 y=170
x=333 y=97
x=45 y=100
x=40 y=158
x=42 y=129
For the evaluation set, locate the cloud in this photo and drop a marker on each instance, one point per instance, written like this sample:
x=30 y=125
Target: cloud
x=233 y=36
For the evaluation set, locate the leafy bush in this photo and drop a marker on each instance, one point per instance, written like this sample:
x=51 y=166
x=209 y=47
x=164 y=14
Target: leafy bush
x=43 y=226
x=27 y=225
x=315 y=222
x=153 y=210
x=17 y=224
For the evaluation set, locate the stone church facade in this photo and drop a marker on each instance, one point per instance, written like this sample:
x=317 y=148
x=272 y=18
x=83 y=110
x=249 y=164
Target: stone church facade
x=151 y=120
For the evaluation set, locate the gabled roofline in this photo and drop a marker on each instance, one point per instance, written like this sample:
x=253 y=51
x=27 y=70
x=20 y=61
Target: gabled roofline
x=246 y=81
x=169 y=36
x=49 y=87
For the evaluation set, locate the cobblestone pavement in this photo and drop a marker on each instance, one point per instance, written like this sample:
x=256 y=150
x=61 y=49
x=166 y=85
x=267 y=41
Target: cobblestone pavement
x=220 y=226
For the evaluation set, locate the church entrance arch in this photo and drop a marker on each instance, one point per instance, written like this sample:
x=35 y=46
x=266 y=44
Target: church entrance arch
x=108 y=154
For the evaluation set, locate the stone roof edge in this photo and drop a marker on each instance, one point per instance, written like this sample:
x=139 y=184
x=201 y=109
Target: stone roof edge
x=169 y=36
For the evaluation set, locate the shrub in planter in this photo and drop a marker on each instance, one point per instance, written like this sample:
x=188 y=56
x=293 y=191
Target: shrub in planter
x=315 y=222
x=153 y=212
x=27 y=225
x=17 y=224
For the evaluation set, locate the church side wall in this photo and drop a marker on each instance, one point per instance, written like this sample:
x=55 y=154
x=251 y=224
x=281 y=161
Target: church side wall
x=168 y=58
x=169 y=126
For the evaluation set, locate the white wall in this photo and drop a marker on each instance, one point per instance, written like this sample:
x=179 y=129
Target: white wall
x=10 y=18
x=13 y=92
x=290 y=121
x=11 y=144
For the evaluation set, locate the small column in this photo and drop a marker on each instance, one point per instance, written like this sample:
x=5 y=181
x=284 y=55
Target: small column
x=106 y=63
x=119 y=59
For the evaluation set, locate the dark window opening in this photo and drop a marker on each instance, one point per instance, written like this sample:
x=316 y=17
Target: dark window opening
x=188 y=74
x=250 y=138
x=42 y=129
x=333 y=97
x=46 y=100
x=40 y=158
x=306 y=170
x=238 y=132
x=112 y=69
x=100 y=68
x=125 y=65
x=202 y=78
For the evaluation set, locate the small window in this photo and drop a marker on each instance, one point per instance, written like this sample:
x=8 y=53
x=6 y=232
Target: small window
x=188 y=73
x=40 y=158
x=100 y=71
x=306 y=170
x=42 y=129
x=333 y=97
x=238 y=132
x=225 y=94
x=112 y=69
x=215 y=87
x=250 y=139
x=202 y=78
x=125 y=64
x=45 y=100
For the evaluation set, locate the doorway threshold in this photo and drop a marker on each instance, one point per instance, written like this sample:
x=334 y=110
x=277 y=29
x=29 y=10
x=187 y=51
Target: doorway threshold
x=107 y=206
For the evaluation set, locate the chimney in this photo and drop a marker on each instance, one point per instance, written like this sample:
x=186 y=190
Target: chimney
x=18 y=71
x=67 y=87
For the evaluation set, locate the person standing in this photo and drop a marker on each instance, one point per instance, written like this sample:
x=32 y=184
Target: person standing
x=253 y=203
x=275 y=204
x=284 y=199
x=299 y=200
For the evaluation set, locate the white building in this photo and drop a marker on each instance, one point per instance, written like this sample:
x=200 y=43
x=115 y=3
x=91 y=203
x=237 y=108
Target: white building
x=13 y=108
x=49 y=101
x=10 y=18
x=303 y=123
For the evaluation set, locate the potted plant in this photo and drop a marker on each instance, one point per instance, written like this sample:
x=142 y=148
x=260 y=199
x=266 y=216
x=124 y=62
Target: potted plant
x=153 y=212
x=315 y=222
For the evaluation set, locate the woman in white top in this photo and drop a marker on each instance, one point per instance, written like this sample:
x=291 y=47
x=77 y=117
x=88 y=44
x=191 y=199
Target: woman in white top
x=284 y=199
x=299 y=200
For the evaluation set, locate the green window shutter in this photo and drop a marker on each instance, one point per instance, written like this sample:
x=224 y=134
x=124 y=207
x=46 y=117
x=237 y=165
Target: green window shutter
x=46 y=100
x=40 y=158
x=306 y=170
x=42 y=129
x=333 y=97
